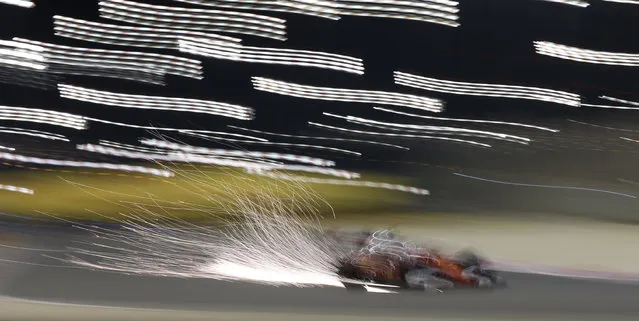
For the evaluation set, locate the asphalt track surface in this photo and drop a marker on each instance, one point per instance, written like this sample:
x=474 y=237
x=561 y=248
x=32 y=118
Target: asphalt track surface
x=528 y=296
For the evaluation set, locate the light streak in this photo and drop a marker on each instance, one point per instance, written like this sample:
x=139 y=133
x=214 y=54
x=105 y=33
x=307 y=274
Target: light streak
x=17 y=189
x=19 y=3
x=433 y=11
x=293 y=145
x=487 y=90
x=610 y=107
x=189 y=132
x=116 y=59
x=313 y=180
x=467 y=120
x=42 y=116
x=320 y=138
x=161 y=155
x=346 y=95
x=546 y=186
x=204 y=20
x=623 y=1
x=33 y=132
x=604 y=127
x=304 y=58
x=399 y=135
x=586 y=55
x=155 y=102
x=576 y=3
x=618 y=100
x=433 y=129
x=119 y=35
x=630 y=139
x=13 y=55
x=54 y=162
x=226 y=152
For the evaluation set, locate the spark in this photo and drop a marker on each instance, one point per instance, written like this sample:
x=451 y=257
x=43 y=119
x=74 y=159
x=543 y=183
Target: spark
x=346 y=95
x=203 y=20
x=467 y=120
x=274 y=238
x=487 y=90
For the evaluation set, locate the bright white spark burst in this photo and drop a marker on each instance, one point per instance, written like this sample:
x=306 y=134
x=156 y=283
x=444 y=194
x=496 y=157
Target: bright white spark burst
x=269 y=234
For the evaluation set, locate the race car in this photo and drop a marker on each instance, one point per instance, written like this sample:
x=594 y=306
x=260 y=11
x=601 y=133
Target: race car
x=380 y=257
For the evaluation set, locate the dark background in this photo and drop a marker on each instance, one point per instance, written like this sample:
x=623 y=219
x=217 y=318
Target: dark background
x=494 y=44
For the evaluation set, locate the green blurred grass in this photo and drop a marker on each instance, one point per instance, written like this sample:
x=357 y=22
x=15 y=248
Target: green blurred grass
x=99 y=195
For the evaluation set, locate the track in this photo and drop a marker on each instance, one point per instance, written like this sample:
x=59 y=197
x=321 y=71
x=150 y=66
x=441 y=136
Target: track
x=528 y=295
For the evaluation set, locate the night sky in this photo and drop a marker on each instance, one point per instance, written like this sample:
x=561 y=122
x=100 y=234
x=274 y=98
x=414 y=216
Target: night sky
x=494 y=44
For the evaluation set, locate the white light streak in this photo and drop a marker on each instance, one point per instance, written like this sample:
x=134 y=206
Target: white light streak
x=42 y=116
x=117 y=59
x=237 y=153
x=487 y=90
x=347 y=95
x=618 y=100
x=433 y=11
x=399 y=135
x=64 y=163
x=19 y=3
x=16 y=189
x=189 y=132
x=630 y=139
x=468 y=120
x=277 y=56
x=432 y=129
x=610 y=107
x=586 y=55
x=13 y=54
x=252 y=142
x=320 y=138
x=624 y=1
x=314 y=180
x=33 y=132
x=215 y=159
x=155 y=102
x=546 y=186
x=194 y=19
x=119 y=35
x=576 y=3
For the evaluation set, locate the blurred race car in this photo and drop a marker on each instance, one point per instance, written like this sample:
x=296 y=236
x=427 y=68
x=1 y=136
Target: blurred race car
x=380 y=257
